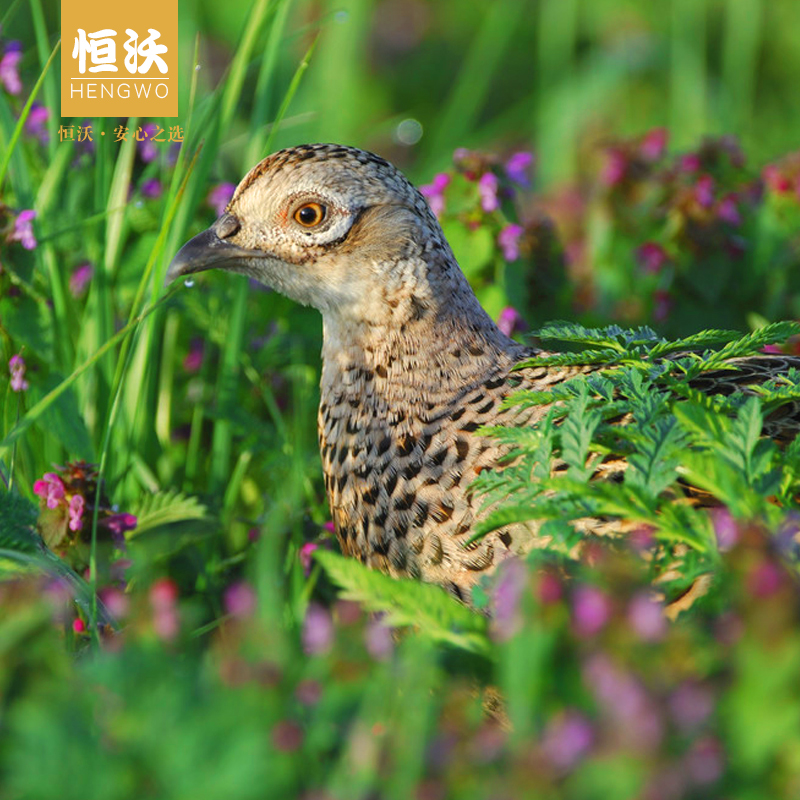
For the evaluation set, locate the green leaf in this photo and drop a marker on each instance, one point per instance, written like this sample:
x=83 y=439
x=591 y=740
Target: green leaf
x=408 y=603
x=166 y=508
x=18 y=523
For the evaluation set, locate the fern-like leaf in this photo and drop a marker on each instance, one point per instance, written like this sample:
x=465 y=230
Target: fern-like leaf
x=408 y=603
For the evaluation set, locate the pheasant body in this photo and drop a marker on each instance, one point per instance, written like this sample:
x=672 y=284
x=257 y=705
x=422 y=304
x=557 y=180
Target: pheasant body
x=412 y=365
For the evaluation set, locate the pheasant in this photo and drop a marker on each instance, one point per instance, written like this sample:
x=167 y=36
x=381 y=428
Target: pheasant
x=412 y=365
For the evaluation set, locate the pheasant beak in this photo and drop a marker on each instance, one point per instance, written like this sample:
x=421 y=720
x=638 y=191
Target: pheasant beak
x=210 y=249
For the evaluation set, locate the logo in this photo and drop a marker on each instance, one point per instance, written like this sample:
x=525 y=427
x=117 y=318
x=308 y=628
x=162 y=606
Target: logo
x=119 y=59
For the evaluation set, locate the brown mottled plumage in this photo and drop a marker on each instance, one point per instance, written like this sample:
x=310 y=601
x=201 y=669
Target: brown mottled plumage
x=412 y=365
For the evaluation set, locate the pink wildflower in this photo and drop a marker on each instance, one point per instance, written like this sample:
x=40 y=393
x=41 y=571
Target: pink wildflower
x=23 y=229
x=510 y=321
x=318 y=630
x=508 y=239
x=80 y=278
x=76 y=506
x=614 y=168
x=50 y=488
x=728 y=211
x=151 y=189
x=16 y=367
x=9 y=75
x=305 y=556
x=704 y=191
x=433 y=192
x=591 y=610
x=651 y=257
x=78 y=625
x=219 y=197
x=690 y=162
x=487 y=187
x=654 y=144
x=240 y=600
x=517 y=168
x=646 y=617
x=36 y=121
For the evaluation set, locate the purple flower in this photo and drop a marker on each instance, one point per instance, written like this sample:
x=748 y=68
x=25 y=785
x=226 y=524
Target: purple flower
x=194 y=358
x=690 y=705
x=219 y=197
x=510 y=321
x=646 y=617
x=662 y=304
x=433 y=192
x=240 y=600
x=506 y=597
x=690 y=162
x=50 y=488
x=625 y=701
x=76 y=506
x=651 y=257
x=765 y=579
x=487 y=188
x=9 y=76
x=305 y=556
x=16 y=366
x=654 y=144
x=36 y=121
x=23 y=229
x=508 y=239
x=614 y=168
x=120 y=523
x=80 y=278
x=378 y=639
x=704 y=191
x=147 y=150
x=317 y=630
x=725 y=528
x=591 y=610
x=728 y=211
x=567 y=739
x=151 y=188
x=517 y=168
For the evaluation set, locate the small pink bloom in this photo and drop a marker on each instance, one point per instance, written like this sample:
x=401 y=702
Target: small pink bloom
x=9 y=76
x=120 y=523
x=433 y=192
x=35 y=124
x=662 y=305
x=487 y=188
x=50 y=488
x=690 y=162
x=378 y=639
x=775 y=180
x=646 y=617
x=16 y=367
x=651 y=257
x=163 y=593
x=287 y=736
x=704 y=191
x=318 y=632
x=78 y=625
x=510 y=321
x=728 y=211
x=76 y=506
x=567 y=739
x=591 y=610
x=654 y=144
x=194 y=358
x=508 y=239
x=517 y=168
x=219 y=197
x=23 y=229
x=116 y=601
x=305 y=556
x=614 y=168
x=765 y=579
x=506 y=599
x=240 y=600
x=80 y=278
x=725 y=528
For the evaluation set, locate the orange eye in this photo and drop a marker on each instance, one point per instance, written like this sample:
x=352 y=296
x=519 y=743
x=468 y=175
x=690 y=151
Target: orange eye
x=310 y=214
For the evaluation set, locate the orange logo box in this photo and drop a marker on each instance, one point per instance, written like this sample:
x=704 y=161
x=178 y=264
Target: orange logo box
x=119 y=59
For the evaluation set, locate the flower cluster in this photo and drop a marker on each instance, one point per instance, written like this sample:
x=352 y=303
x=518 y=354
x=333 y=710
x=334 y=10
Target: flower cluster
x=66 y=497
x=16 y=367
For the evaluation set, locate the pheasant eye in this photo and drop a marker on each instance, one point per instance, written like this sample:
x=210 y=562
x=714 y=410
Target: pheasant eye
x=310 y=214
